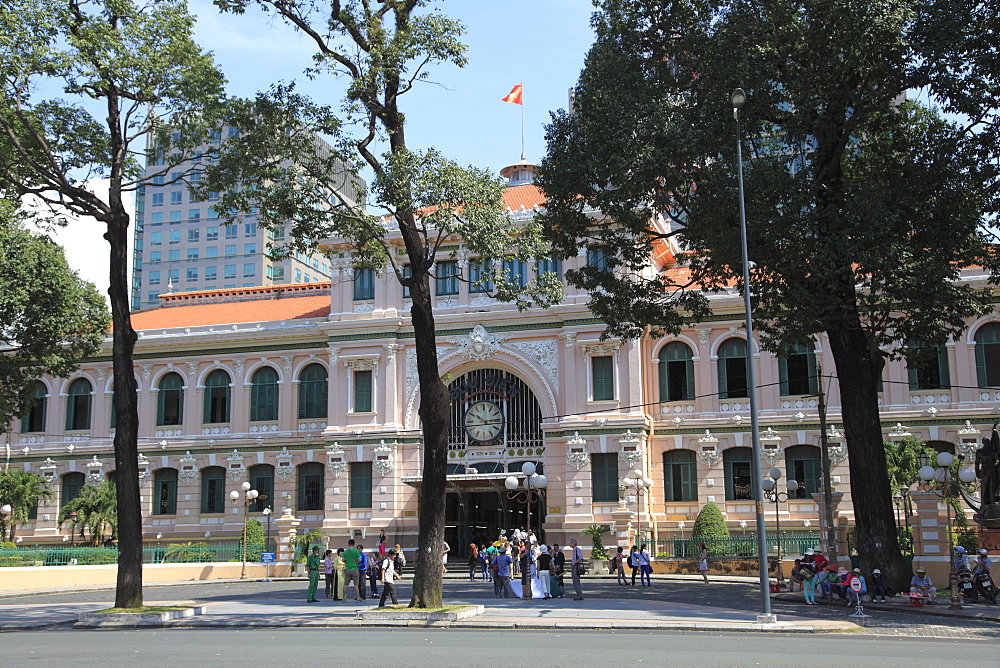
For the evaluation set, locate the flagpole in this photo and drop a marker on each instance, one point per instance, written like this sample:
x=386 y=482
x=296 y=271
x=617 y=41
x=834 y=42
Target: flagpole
x=522 y=122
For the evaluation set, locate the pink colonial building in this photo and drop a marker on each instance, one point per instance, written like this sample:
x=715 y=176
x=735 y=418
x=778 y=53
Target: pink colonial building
x=309 y=393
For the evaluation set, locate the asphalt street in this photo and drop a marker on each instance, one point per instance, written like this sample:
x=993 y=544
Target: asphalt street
x=445 y=647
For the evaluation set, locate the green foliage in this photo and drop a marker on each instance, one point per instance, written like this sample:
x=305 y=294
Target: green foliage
x=22 y=490
x=8 y=545
x=596 y=532
x=304 y=541
x=901 y=460
x=190 y=552
x=96 y=511
x=255 y=540
x=50 y=318
x=710 y=523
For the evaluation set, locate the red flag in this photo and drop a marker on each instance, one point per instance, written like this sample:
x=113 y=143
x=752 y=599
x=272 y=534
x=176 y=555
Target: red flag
x=515 y=96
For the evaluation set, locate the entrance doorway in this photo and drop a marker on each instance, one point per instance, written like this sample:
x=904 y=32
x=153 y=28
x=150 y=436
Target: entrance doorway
x=481 y=516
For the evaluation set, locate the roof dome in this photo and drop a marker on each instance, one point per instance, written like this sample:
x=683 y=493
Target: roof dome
x=520 y=172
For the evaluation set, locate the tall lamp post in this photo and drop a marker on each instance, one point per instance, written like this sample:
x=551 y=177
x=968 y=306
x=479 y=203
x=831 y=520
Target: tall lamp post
x=641 y=486
x=267 y=540
x=771 y=493
x=72 y=540
x=5 y=511
x=530 y=491
x=738 y=99
x=249 y=496
x=940 y=482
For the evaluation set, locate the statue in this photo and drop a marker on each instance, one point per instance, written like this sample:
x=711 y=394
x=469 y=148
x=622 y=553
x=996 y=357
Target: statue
x=987 y=462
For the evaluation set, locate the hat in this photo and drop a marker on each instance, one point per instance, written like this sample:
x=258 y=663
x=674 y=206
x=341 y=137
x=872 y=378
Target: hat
x=810 y=552
x=544 y=549
x=831 y=567
x=983 y=551
x=921 y=570
x=876 y=572
x=701 y=545
x=857 y=570
x=503 y=550
x=960 y=549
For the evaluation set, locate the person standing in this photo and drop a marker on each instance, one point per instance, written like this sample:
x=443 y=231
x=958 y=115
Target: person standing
x=619 y=562
x=328 y=572
x=703 y=562
x=544 y=570
x=576 y=564
x=362 y=572
x=388 y=579
x=374 y=566
x=444 y=557
x=633 y=562
x=381 y=545
x=312 y=564
x=352 y=559
x=400 y=560
x=645 y=566
x=808 y=576
x=504 y=564
x=559 y=564
x=339 y=567
x=473 y=560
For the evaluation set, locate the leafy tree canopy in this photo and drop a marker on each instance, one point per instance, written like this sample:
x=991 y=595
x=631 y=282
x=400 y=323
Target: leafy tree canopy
x=22 y=490
x=50 y=318
x=96 y=512
x=710 y=523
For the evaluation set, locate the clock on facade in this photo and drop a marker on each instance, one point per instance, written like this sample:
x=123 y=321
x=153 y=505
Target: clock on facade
x=483 y=421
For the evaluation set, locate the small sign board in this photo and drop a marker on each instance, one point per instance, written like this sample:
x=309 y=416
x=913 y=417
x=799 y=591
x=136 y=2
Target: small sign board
x=856 y=584
x=267 y=557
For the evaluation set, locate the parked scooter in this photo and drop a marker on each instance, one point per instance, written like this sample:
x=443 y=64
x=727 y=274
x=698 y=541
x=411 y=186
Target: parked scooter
x=967 y=584
x=983 y=584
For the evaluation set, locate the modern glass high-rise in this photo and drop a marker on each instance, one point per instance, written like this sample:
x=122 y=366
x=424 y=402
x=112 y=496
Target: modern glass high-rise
x=182 y=244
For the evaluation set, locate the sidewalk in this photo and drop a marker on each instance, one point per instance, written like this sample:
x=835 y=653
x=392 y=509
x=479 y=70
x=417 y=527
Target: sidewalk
x=288 y=609
x=979 y=611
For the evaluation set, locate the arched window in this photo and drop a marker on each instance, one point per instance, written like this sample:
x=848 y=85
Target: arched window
x=170 y=400
x=165 y=492
x=737 y=464
x=988 y=355
x=680 y=476
x=72 y=485
x=676 y=372
x=262 y=480
x=216 y=397
x=213 y=490
x=803 y=465
x=930 y=371
x=34 y=419
x=78 y=404
x=733 y=369
x=797 y=369
x=312 y=392
x=310 y=491
x=264 y=394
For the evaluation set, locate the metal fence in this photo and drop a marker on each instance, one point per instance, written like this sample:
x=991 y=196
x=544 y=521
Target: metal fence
x=164 y=553
x=792 y=543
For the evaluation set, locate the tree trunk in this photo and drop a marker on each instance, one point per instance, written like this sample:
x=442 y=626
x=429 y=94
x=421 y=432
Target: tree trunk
x=859 y=367
x=434 y=416
x=128 y=593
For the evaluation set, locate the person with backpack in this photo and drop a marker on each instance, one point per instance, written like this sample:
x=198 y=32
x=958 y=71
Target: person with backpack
x=388 y=578
x=374 y=569
x=808 y=577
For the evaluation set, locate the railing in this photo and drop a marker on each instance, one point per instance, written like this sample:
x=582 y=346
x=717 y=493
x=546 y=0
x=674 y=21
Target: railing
x=792 y=543
x=164 y=553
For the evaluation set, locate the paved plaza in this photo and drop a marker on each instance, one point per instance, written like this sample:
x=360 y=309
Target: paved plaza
x=674 y=603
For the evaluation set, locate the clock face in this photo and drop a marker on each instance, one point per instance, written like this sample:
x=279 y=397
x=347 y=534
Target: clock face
x=483 y=421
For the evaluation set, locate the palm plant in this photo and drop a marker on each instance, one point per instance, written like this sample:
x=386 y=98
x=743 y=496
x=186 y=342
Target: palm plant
x=595 y=531
x=304 y=541
x=22 y=490
x=96 y=511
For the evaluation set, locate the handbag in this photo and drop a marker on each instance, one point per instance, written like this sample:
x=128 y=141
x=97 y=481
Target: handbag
x=581 y=568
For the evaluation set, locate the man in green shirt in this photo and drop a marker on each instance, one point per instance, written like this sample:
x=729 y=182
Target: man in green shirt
x=312 y=563
x=352 y=557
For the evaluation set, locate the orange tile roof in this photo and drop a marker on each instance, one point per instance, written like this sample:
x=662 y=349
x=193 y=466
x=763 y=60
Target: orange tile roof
x=529 y=196
x=227 y=313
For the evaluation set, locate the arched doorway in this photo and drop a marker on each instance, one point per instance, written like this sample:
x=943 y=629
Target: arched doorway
x=495 y=424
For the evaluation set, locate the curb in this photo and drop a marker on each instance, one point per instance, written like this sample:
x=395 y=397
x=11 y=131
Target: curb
x=929 y=611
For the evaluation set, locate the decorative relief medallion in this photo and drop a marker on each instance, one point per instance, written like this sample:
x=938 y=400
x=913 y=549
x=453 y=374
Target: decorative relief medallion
x=284 y=470
x=382 y=458
x=708 y=449
x=335 y=460
x=478 y=345
x=450 y=302
x=364 y=307
x=630 y=451
x=189 y=469
x=482 y=300
x=236 y=469
x=576 y=452
x=95 y=471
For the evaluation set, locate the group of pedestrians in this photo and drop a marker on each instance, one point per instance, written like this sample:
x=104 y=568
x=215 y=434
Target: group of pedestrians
x=638 y=560
x=521 y=554
x=353 y=566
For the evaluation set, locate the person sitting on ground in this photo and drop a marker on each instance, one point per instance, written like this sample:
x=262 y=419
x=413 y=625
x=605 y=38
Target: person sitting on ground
x=854 y=597
x=879 y=587
x=921 y=585
x=796 y=575
x=820 y=562
x=841 y=584
x=824 y=580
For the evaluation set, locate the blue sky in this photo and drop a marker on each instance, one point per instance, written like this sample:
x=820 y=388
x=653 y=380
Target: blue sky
x=540 y=43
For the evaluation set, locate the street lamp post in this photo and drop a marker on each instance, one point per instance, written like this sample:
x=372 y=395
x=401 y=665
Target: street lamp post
x=738 y=99
x=642 y=486
x=5 y=511
x=249 y=496
x=771 y=493
x=267 y=540
x=532 y=491
x=72 y=540
x=939 y=481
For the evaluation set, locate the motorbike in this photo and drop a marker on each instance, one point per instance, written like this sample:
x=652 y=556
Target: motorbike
x=967 y=584
x=983 y=584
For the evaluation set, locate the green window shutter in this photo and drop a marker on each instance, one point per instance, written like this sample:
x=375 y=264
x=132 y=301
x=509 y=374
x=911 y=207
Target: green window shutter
x=361 y=484
x=310 y=486
x=264 y=395
x=78 y=405
x=604 y=477
x=783 y=375
x=213 y=484
x=363 y=391
x=814 y=380
x=217 y=397
x=34 y=419
x=943 y=370
x=313 y=392
x=364 y=283
x=603 y=375
x=262 y=480
x=170 y=400
x=165 y=492
x=72 y=485
x=913 y=375
x=407 y=273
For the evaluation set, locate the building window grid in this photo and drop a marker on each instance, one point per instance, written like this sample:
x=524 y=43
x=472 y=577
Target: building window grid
x=604 y=477
x=361 y=484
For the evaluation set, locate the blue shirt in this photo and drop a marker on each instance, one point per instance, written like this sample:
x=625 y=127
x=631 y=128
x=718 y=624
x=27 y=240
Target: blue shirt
x=363 y=562
x=504 y=563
